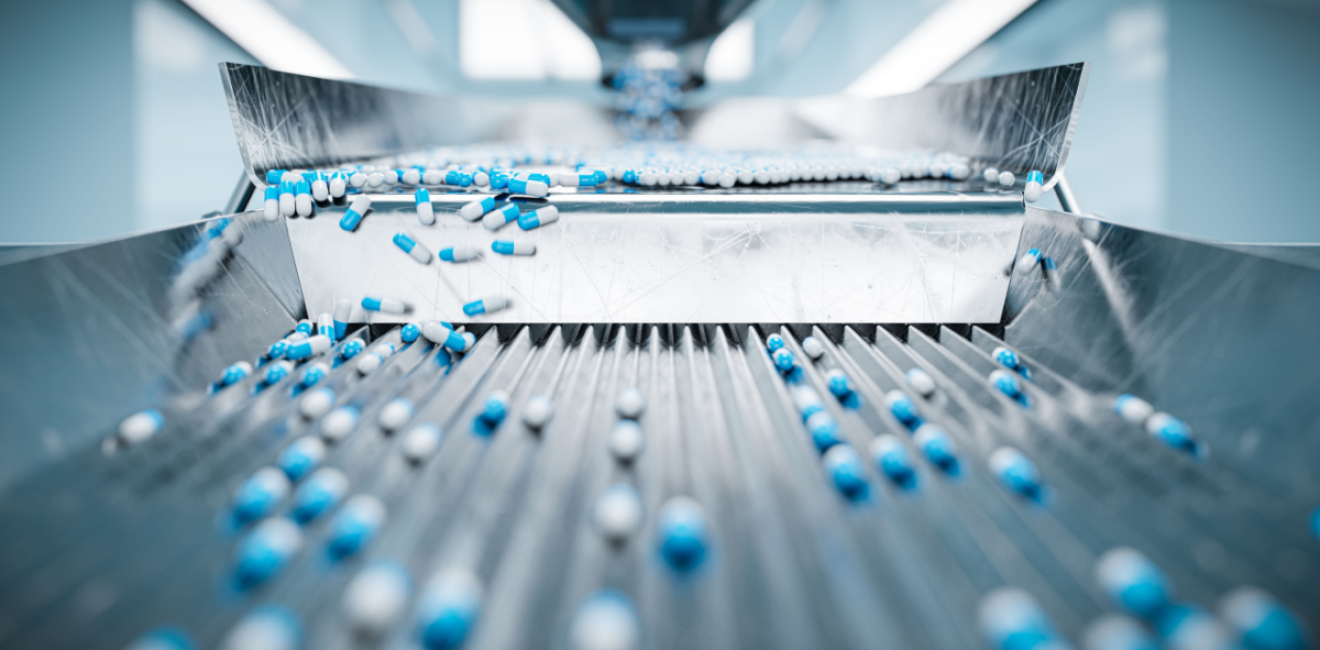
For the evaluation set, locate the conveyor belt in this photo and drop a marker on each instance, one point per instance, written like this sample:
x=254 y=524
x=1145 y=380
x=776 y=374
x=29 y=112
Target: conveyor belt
x=99 y=549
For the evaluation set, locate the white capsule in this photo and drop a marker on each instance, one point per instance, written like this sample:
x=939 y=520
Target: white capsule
x=338 y=184
x=411 y=176
x=727 y=180
x=1133 y=409
x=339 y=423
x=538 y=411
x=266 y=628
x=813 y=347
x=921 y=382
x=376 y=597
x=316 y=403
x=384 y=349
x=320 y=189
x=626 y=440
x=481 y=179
x=375 y=179
x=1007 y=179
x=368 y=363
x=433 y=177
x=140 y=426
x=630 y=403
x=960 y=172
x=618 y=512
x=991 y=175
x=395 y=414
x=1032 y=192
x=420 y=442
x=605 y=621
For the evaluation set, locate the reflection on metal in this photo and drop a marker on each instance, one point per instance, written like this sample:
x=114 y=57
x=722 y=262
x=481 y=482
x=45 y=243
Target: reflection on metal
x=710 y=259
x=1067 y=199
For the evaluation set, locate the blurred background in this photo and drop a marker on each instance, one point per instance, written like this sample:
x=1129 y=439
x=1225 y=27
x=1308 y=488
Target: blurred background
x=1197 y=117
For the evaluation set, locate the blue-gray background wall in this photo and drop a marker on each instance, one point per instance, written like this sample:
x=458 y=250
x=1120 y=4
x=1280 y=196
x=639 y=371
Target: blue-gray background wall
x=1197 y=118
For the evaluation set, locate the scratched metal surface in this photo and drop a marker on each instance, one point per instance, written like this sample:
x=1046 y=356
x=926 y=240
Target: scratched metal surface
x=95 y=550
x=696 y=258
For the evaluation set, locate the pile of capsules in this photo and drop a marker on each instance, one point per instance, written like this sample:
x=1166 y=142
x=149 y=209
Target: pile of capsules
x=1150 y=618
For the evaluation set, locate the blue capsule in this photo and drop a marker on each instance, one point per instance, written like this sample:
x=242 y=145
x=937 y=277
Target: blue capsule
x=258 y=496
x=903 y=408
x=356 y=210
x=448 y=609
x=301 y=457
x=499 y=181
x=783 y=359
x=838 y=381
x=304 y=327
x=410 y=332
x=1133 y=582
x=1172 y=432
x=265 y=550
x=1261 y=620
x=351 y=349
x=277 y=350
x=165 y=638
x=355 y=525
x=683 y=536
x=1034 y=176
x=891 y=458
x=495 y=407
x=321 y=493
x=303 y=198
x=824 y=430
x=774 y=342
x=1009 y=385
x=1016 y=472
x=844 y=466
x=1006 y=357
x=937 y=447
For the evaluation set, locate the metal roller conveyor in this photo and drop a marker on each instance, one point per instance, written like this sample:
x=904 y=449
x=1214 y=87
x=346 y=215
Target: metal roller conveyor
x=919 y=415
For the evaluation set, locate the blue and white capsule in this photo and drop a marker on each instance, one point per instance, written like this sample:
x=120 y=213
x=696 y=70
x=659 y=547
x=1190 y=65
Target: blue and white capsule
x=1009 y=385
x=460 y=253
x=316 y=403
x=1133 y=582
x=395 y=414
x=385 y=304
x=510 y=247
x=320 y=187
x=268 y=627
x=1034 y=187
x=844 y=466
x=273 y=176
x=325 y=326
x=1133 y=409
x=303 y=198
x=903 y=408
x=683 y=534
x=304 y=327
x=1016 y=472
x=274 y=374
x=376 y=598
x=352 y=349
x=448 y=609
x=1261 y=620
x=542 y=216
x=233 y=374
x=343 y=311
x=892 y=459
x=528 y=186
x=1029 y=261
x=414 y=250
x=1010 y=619
x=425 y=211
x=305 y=349
x=476 y=209
x=807 y=401
x=838 y=382
x=936 y=445
x=774 y=343
x=355 y=525
x=259 y=494
x=356 y=210
x=301 y=457
x=265 y=551
x=495 y=407
x=288 y=205
x=276 y=350
x=322 y=491
x=440 y=334
x=1006 y=357
x=140 y=426
x=487 y=305
x=1172 y=432
x=783 y=360
x=410 y=332
x=271 y=210
x=313 y=374
x=496 y=219
x=1115 y=632
x=824 y=430
x=165 y=638
x=340 y=422
x=338 y=185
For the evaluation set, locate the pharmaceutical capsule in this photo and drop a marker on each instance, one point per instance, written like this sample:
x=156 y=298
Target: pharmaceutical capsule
x=1033 y=189
x=437 y=333
x=356 y=210
x=774 y=343
x=319 y=494
x=385 y=304
x=812 y=348
x=618 y=512
x=936 y=446
x=921 y=382
x=338 y=185
x=682 y=530
x=1132 y=582
x=460 y=253
x=355 y=525
x=288 y=203
x=578 y=180
x=844 y=467
x=1005 y=357
x=1261 y=620
x=375 y=179
x=1188 y=627
x=541 y=216
x=528 y=187
x=1133 y=409
x=410 y=332
x=487 y=305
x=368 y=363
x=303 y=199
x=538 y=411
x=277 y=350
x=890 y=176
x=605 y=621
x=783 y=359
x=495 y=407
x=163 y=639
x=411 y=176
x=481 y=179
x=507 y=247
x=824 y=430
x=991 y=175
x=258 y=495
x=1010 y=619
x=495 y=219
x=325 y=326
x=376 y=597
x=265 y=550
x=271 y=210
x=903 y=408
x=1016 y=471
x=891 y=458
x=275 y=373
x=807 y=401
x=304 y=327
x=630 y=403
x=474 y=210
x=340 y=422
x=1007 y=384
x=351 y=349
x=1029 y=261
x=433 y=177
x=301 y=457
x=304 y=349
x=1117 y=633
x=448 y=609
x=838 y=383
x=1171 y=431
x=395 y=414
x=275 y=175
x=1007 y=179
x=320 y=188
x=140 y=426
x=410 y=246
x=343 y=311
x=425 y=212
x=358 y=179
x=265 y=628
x=420 y=442
x=313 y=374
x=626 y=440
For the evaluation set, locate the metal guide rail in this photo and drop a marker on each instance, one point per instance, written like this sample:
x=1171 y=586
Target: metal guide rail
x=101 y=548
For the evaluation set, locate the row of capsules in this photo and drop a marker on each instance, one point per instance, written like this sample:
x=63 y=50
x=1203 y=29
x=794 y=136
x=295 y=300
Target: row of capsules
x=271 y=541
x=1014 y=470
x=1148 y=618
